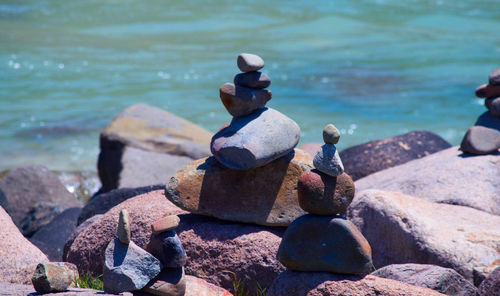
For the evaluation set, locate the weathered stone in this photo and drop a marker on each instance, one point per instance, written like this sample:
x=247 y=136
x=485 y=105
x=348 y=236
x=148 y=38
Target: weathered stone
x=18 y=257
x=253 y=80
x=266 y=195
x=51 y=238
x=368 y=158
x=167 y=247
x=54 y=277
x=448 y=176
x=332 y=284
x=150 y=129
x=40 y=214
x=321 y=194
x=25 y=186
x=493 y=105
x=331 y=134
x=328 y=161
x=167 y=223
x=494 y=78
x=443 y=280
x=480 y=140
x=123 y=232
x=127 y=267
x=255 y=140
x=487 y=91
x=242 y=101
x=325 y=243
x=488 y=120
x=249 y=62
x=170 y=282
x=405 y=229
x=9 y=289
x=198 y=287
x=101 y=203
x=491 y=285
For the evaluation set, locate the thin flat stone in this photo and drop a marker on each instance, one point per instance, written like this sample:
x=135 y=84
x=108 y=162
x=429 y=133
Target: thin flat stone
x=249 y=62
x=331 y=134
x=488 y=91
x=253 y=80
x=123 y=232
x=165 y=224
x=241 y=101
x=328 y=161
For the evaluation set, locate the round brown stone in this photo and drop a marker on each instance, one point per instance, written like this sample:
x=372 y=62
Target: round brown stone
x=322 y=194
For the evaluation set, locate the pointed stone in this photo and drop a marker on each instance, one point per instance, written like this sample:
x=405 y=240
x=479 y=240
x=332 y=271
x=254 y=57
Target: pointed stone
x=124 y=227
x=328 y=161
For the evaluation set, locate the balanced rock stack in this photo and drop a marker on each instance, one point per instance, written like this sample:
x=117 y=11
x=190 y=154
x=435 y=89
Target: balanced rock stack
x=484 y=136
x=324 y=240
x=253 y=173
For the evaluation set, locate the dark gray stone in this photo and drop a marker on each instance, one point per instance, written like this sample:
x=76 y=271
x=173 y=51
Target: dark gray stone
x=491 y=284
x=331 y=134
x=488 y=120
x=51 y=238
x=368 y=158
x=494 y=78
x=480 y=140
x=493 y=105
x=167 y=247
x=253 y=80
x=328 y=161
x=441 y=279
x=325 y=243
x=249 y=62
x=41 y=214
x=128 y=267
x=255 y=140
x=242 y=101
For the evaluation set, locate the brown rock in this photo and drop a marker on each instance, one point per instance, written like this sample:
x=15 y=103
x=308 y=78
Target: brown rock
x=199 y=287
x=266 y=195
x=123 y=232
x=488 y=91
x=54 y=277
x=480 y=140
x=332 y=284
x=165 y=224
x=321 y=194
x=18 y=257
x=170 y=282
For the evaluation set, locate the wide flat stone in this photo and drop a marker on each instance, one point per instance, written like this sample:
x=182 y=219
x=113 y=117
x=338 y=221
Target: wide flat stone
x=165 y=224
x=253 y=80
x=170 y=282
x=488 y=91
x=265 y=195
x=488 y=120
x=255 y=140
x=249 y=62
x=325 y=243
x=480 y=140
x=242 y=101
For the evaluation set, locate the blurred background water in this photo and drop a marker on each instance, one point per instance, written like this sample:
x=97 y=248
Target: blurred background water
x=373 y=68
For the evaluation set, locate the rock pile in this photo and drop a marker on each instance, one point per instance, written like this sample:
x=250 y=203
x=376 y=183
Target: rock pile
x=252 y=176
x=324 y=240
x=484 y=136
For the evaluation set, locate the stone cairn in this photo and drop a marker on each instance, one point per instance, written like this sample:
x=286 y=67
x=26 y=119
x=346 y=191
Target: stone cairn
x=158 y=271
x=324 y=240
x=484 y=136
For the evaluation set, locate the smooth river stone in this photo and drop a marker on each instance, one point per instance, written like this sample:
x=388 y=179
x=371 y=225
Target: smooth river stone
x=494 y=78
x=266 y=195
x=242 y=101
x=255 y=140
x=249 y=62
x=488 y=91
x=480 y=140
x=253 y=80
x=493 y=105
x=331 y=134
x=325 y=243
x=328 y=161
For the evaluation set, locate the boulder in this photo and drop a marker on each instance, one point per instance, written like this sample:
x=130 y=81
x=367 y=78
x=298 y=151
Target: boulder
x=77 y=232
x=149 y=129
x=255 y=140
x=491 y=285
x=54 y=277
x=480 y=140
x=368 y=158
x=214 y=248
x=18 y=257
x=101 y=203
x=488 y=120
x=199 y=287
x=25 y=186
x=51 y=238
x=332 y=284
x=40 y=215
x=447 y=176
x=443 y=280
x=406 y=229
x=266 y=195
x=9 y=289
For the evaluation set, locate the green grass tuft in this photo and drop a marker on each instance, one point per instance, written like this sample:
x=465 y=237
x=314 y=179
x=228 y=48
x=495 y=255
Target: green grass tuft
x=240 y=288
x=87 y=281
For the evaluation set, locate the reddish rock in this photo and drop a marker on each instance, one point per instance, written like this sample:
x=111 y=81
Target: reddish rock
x=266 y=195
x=332 y=284
x=18 y=257
x=199 y=287
x=311 y=148
x=488 y=91
x=165 y=224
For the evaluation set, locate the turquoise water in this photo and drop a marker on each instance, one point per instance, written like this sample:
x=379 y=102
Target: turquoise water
x=373 y=68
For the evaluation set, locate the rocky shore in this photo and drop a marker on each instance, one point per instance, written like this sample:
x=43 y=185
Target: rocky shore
x=176 y=210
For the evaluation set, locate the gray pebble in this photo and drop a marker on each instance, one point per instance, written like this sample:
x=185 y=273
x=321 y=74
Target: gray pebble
x=331 y=134
x=249 y=62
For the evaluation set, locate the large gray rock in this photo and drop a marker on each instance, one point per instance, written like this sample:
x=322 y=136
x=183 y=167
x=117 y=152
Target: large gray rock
x=255 y=140
x=51 y=238
x=406 y=229
x=368 y=158
x=443 y=280
x=127 y=267
x=447 y=176
x=25 y=186
x=140 y=129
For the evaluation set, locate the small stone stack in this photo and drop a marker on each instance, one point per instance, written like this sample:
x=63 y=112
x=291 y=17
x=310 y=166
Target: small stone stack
x=324 y=240
x=484 y=136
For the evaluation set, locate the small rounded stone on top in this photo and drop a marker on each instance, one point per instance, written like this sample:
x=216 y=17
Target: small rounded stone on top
x=249 y=62
x=331 y=134
x=123 y=232
x=494 y=78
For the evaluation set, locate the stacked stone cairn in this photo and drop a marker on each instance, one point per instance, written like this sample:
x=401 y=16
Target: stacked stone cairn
x=324 y=240
x=484 y=136
x=158 y=271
